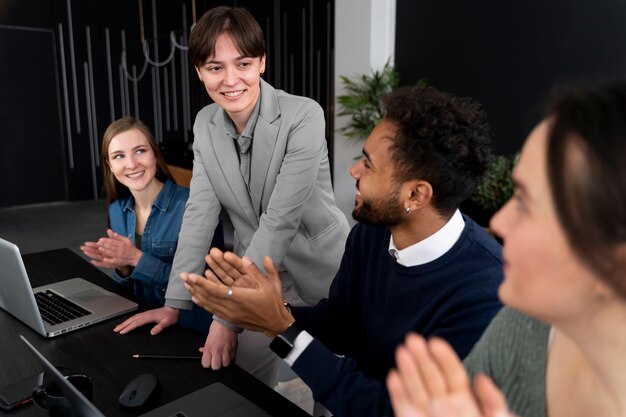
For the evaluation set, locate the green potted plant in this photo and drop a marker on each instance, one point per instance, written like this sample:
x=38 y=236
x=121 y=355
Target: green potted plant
x=362 y=100
x=495 y=189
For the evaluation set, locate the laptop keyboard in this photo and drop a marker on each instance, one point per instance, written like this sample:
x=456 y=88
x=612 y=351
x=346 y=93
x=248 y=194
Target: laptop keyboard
x=56 y=309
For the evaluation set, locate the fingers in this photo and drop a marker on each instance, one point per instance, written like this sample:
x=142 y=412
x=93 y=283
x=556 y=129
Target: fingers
x=98 y=258
x=103 y=264
x=132 y=323
x=400 y=400
x=268 y=264
x=217 y=360
x=408 y=364
x=162 y=324
x=164 y=317
x=223 y=269
x=432 y=376
x=91 y=250
x=220 y=347
x=430 y=371
x=206 y=358
x=234 y=263
x=94 y=254
x=89 y=246
x=115 y=236
x=491 y=400
x=206 y=293
x=450 y=365
x=272 y=272
x=212 y=277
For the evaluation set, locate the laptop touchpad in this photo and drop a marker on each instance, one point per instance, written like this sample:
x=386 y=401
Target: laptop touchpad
x=89 y=295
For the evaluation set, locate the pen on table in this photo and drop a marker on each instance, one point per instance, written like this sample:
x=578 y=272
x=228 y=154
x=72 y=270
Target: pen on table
x=138 y=356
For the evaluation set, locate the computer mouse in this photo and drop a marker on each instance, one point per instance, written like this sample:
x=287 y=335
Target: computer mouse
x=139 y=390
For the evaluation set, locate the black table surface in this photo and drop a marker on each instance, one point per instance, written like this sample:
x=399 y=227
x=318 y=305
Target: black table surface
x=106 y=356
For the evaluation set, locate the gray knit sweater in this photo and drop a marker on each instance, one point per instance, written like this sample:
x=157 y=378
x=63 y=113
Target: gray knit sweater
x=513 y=352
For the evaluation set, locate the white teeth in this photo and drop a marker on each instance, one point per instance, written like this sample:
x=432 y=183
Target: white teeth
x=233 y=93
x=135 y=174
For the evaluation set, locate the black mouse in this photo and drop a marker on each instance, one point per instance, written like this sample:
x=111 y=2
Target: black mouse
x=138 y=391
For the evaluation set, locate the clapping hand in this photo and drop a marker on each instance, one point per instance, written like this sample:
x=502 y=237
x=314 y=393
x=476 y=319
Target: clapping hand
x=430 y=381
x=236 y=290
x=113 y=251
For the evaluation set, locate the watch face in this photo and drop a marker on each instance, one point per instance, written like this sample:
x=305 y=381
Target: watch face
x=280 y=346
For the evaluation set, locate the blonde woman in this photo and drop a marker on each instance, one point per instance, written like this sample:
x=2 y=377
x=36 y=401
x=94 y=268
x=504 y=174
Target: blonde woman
x=145 y=215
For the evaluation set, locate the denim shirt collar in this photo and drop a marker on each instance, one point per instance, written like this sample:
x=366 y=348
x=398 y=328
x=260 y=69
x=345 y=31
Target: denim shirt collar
x=162 y=201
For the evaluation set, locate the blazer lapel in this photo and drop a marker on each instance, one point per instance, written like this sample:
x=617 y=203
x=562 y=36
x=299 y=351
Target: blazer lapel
x=263 y=144
x=226 y=153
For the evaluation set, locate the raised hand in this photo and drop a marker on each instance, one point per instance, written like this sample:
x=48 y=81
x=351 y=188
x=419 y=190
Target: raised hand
x=430 y=381
x=232 y=270
x=113 y=251
x=257 y=306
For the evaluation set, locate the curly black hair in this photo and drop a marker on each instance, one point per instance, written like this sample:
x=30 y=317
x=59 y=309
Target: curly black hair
x=442 y=139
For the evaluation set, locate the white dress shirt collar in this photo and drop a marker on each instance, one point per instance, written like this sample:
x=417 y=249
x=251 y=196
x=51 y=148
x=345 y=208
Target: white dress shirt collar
x=433 y=246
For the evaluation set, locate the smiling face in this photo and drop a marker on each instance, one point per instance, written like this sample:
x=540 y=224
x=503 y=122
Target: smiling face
x=132 y=161
x=232 y=80
x=377 y=201
x=543 y=276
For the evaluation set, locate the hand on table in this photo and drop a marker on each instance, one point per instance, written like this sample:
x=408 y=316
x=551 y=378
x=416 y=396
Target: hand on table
x=257 y=306
x=113 y=251
x=163 y=317
x=430 y=381
x=220 y=347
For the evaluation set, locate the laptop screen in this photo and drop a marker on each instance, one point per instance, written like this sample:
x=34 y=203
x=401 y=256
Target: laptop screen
x=81 y=406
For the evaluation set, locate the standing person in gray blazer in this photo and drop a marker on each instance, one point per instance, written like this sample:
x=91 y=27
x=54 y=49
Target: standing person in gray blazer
x=260 y=154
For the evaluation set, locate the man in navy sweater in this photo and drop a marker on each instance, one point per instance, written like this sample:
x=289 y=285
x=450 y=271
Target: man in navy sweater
x=412 y=263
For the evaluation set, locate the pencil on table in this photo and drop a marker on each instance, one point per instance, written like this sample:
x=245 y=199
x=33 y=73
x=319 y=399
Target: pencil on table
x=138 y=356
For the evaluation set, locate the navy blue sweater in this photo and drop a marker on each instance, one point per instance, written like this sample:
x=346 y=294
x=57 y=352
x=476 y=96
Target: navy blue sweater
x=374 y=302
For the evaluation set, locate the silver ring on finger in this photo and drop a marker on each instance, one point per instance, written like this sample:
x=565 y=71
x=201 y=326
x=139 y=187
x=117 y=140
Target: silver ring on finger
x=230 y=293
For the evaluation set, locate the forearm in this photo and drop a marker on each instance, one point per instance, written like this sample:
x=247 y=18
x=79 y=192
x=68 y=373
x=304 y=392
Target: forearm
x=199 y=223
x=338 y=383
x=151 y=270
x=325 y=323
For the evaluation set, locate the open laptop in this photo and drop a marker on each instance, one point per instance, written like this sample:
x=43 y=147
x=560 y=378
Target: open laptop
x=56 y=308
x=81 y=406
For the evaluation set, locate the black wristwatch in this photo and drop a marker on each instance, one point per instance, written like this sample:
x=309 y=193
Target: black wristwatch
x=283 y=343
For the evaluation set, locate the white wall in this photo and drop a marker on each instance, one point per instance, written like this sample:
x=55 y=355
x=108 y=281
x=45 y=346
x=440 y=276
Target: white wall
x=364 y=40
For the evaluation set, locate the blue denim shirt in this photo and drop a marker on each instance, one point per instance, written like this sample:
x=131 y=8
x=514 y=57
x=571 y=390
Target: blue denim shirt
x=158 y=243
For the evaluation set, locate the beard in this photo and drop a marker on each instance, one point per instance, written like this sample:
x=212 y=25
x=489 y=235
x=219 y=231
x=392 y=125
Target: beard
x=382 y=212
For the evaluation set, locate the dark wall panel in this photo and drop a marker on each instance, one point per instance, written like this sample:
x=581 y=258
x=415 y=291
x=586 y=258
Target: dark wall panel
x=32 y=164
x=508 y=54
x=89 y=84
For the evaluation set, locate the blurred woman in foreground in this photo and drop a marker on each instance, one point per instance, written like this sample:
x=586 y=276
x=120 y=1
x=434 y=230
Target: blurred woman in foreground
x=562 y=353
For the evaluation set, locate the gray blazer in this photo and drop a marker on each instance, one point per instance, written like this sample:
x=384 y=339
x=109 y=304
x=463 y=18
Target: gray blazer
x=289 y=214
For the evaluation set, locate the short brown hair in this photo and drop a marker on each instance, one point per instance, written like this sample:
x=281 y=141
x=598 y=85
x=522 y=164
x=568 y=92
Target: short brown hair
x=114 y=189
x=237 y=22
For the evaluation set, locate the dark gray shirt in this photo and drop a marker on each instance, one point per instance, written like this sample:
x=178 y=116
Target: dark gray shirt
x=243 y=142
x=513 y=353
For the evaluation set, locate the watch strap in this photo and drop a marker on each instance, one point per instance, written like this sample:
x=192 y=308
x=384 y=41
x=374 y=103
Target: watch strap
x=283 y=343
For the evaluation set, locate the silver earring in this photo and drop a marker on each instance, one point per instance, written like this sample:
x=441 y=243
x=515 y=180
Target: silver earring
x=408 y=210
